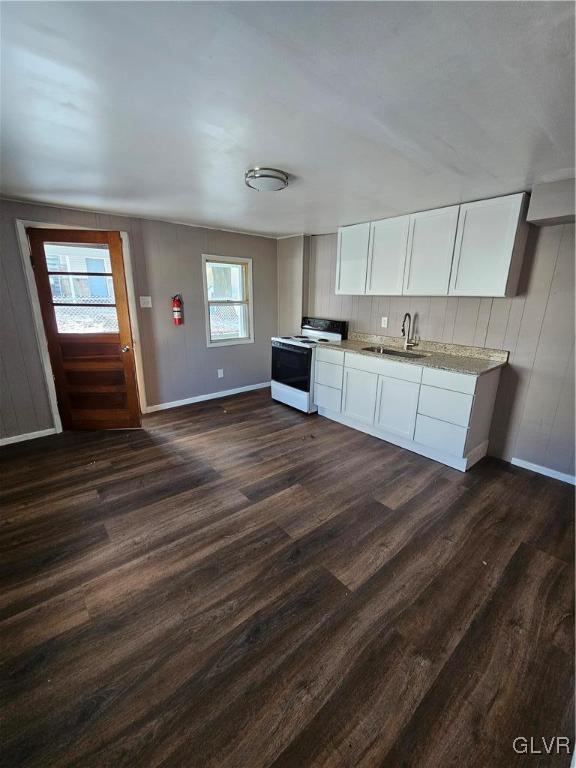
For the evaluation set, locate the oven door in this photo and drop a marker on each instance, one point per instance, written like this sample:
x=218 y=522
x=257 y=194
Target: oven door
x=291 y=365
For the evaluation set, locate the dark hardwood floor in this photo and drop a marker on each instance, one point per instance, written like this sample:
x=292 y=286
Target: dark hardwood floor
x=238 y=585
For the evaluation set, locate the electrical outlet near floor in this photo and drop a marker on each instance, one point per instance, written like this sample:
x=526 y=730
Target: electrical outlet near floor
x=384 y=322
x=220 y=373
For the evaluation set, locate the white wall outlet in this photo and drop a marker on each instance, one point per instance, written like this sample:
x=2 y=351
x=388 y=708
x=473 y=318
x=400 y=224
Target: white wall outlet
x=220 y=373
x=384 y=322
x=146 y=301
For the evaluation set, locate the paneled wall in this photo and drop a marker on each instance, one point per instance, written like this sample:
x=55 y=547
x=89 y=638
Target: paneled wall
x=292 y=283
x=166 y=259
x=534 y=416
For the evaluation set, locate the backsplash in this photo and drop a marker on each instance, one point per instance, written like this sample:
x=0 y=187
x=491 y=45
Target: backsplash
x=534 y=416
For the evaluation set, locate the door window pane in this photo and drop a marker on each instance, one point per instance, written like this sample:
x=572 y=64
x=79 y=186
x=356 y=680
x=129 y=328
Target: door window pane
x=77 y=289
x=225 y=281
x=64 y=257
x=82 y=319
x=228 y=321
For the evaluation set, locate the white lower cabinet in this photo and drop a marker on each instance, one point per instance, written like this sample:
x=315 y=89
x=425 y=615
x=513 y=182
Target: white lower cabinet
x=327 y=397
x=359 y=395
x=329 y=374
x=445 y=405
x=397 y=404
x=328 y=355
x=444 y=415
x=455 y=382
x=444 y=437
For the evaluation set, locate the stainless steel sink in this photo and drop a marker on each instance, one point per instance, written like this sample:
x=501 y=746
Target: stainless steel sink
x=395 y=352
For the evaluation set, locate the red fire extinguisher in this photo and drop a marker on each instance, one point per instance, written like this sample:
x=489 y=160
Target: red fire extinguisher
x=177 y=316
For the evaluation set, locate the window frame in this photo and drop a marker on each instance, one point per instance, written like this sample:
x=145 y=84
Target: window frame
x=249 y=301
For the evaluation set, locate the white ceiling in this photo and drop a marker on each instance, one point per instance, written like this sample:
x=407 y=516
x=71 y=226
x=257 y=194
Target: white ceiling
x=157 y=109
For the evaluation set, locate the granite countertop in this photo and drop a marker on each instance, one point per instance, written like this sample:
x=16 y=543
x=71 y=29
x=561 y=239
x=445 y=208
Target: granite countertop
x=448 y=357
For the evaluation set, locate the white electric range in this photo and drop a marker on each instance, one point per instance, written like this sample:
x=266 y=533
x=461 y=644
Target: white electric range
x=293 y=361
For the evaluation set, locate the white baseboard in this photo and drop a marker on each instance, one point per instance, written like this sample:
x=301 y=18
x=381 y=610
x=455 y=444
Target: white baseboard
x=474 y=456
x=147 y=409
x=544 y=471
x=27 y=436
x=461 y=464
x=201 y=398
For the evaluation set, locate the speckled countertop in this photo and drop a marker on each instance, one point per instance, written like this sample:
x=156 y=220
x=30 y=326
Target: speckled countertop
x=448 y=357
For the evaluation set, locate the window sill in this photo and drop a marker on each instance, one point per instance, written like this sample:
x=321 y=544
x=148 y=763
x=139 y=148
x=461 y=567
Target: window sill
x=229 y=343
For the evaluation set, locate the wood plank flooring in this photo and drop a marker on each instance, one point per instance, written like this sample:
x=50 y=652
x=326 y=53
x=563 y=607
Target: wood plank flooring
x=238 y=585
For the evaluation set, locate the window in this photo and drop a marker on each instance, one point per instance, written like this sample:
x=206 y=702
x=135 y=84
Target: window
x=228 y=299
x=82 y=287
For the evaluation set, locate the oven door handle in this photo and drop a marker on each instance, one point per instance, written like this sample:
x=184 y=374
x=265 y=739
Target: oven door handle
x=288 y=348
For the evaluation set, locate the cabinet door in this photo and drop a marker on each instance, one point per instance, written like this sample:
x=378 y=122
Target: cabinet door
x=352 y=259
x=485 y=246
x=359 y=395
x=388 y=244
x=397 y=404
x=430 y=251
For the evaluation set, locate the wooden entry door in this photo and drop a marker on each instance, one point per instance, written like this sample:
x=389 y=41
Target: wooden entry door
x=82 y=292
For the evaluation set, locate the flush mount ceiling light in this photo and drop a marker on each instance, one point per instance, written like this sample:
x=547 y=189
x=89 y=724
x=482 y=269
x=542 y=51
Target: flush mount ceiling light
x=266 y=179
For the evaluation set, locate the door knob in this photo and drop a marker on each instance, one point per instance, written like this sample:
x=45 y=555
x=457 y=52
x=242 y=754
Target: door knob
x=126 y=349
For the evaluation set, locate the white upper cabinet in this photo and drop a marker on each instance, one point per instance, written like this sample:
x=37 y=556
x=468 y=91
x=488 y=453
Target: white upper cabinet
x=352 y=259
x=387 y=256
x=473 y=249
x=430 y=250
x=489 y=247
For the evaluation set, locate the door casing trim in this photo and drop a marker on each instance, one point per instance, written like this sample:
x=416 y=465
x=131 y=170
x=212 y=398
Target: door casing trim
x=42 y=343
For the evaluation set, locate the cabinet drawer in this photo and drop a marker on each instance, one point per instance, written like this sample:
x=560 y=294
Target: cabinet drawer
x=445 y=437
x=334 y=356
x=327 y=397
x=395 y=370
x=457 y=382
x=328 y=374
x=444 y=404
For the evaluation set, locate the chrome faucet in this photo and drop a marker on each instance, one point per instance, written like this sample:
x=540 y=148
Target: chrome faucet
x=406 y=334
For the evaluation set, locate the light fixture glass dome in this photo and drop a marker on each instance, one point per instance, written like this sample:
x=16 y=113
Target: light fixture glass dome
x=266 y=179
